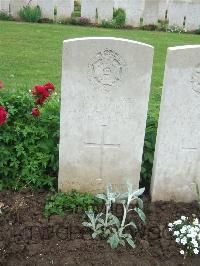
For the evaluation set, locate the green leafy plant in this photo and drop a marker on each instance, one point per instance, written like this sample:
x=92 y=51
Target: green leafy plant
x=28 y=141
x=77 y=5
x=30 y=14
x=198 y=194
x=76 y=14
x=5 y=16
x=149 y=148
x=149 y=27
x=107 y=24
x=108 y=225
x=62 y=203
x=162 y=25
x=119 y=17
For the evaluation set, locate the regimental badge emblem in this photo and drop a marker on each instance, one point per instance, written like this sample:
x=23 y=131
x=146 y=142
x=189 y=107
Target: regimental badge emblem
x=106 y=69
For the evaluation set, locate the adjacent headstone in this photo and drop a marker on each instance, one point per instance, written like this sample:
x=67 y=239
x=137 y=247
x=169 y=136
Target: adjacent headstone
x=163 y=7
x=64 y=8
x=4 y=5
x=177 y=155
x=151 y=10
x=47 y=7
x=193 y=15
x=97 y=10
x=105 y=10
x=120 y=4
x=177 y=11
x=89 y=9
x=15 y=6
x=134 y=12
x=104 y=101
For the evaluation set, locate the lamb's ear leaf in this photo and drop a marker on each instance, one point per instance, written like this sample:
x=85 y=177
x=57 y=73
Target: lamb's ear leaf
x=140 y=203
x=141 y=214
x=101 y=196
x=133 y=224
x=94 y=235
x=113 y=241
x=138 y=192
x=130 y=242
x=87 y=224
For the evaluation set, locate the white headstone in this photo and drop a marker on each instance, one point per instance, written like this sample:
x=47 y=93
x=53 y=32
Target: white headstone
x=151 y=10
x=120 y=4
x=15 y=6
x=103 y=8
x=177 y=11
x=163 y=7
x=193 y=15
x=104 y=101
x=88 y=9
x=47 y=7
x=134 y=12
x=177 y=155
x=4 y=5
x=64 y=8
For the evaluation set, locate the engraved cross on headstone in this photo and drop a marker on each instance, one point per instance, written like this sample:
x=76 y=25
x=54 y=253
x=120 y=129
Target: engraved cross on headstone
x=102 y=147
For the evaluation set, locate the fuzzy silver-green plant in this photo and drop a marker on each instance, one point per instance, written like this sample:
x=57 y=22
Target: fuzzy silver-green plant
x=108 y=225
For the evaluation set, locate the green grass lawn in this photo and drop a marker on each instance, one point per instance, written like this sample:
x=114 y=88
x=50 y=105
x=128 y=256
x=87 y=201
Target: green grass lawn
x=31 y=53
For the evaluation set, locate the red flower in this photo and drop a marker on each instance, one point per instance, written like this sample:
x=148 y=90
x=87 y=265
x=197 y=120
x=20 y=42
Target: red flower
x=49 y=86
x=41 y=100
x=41 y=93
x=1 y=84
x=35 y=111
x=3 y=115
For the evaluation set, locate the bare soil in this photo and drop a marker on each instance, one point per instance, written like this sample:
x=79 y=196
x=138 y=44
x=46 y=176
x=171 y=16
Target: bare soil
x=28 y=238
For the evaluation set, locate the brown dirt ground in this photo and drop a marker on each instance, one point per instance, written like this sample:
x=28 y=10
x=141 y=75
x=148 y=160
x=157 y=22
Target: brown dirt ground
x=27 y=238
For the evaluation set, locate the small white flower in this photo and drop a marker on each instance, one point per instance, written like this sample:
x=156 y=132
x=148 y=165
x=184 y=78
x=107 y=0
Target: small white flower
x=182 y=252
x=184 y=241
x=177 y=240
x=183 y=218
x=170 y=225
x=178 y=222
x=176 y=233
x=183 y=230
x=196 y=222
x=195 y=243
x=196 y=251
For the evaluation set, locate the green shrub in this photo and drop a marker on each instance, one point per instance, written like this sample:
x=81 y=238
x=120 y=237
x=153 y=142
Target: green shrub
x=5 y=16
x=29 y=145
x=119 y=17
x=150 y=27
x=82 y=21
x=61 y=203
x=198 y=31
x=162 y=25
x=77 y=6
x=46 y=20
x=107 y=24
x=76 y=14
x=148 y=153
x=30 y=14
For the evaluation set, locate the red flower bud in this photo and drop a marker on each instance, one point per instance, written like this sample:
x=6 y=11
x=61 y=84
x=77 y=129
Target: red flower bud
x=35 y=111
x=3 y=115
x=49 y=86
